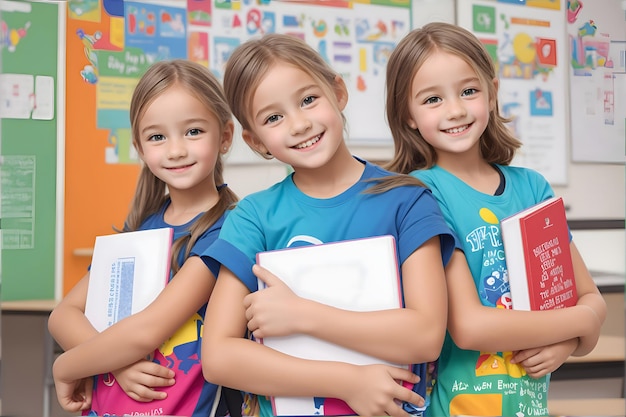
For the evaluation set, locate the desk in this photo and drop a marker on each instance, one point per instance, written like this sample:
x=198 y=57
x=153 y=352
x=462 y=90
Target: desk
x=588 y=407
x=39 y=309
x=605 y=361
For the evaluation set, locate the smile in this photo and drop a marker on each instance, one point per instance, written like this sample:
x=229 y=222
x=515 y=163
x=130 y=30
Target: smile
x=179 y=168
x=308 y=143
x=457 y=129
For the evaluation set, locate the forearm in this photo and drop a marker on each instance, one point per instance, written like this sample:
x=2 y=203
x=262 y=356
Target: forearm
x=67 y=323
x=381 y=334
x=69 y=327
x=102 y=353
x=493 y=329
x=413 y=334
x=138 y=335
x=588 y=340
x=247 y=365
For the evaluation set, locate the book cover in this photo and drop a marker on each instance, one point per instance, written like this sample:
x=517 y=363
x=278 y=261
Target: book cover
x=537 y=248
x=128 y=271
x=358 y=275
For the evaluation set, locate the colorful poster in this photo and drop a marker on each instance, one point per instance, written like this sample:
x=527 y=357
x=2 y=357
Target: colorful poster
x=529 y=49
x=597 y=40
x=110 y=43
x=199 y=12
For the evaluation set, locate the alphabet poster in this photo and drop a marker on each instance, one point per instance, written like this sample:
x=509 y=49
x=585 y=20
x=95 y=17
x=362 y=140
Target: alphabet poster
x=527 y=42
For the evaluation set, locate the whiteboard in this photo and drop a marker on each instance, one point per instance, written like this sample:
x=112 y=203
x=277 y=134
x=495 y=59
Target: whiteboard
x=530 y=49
x=597 y=38
x=354 y=38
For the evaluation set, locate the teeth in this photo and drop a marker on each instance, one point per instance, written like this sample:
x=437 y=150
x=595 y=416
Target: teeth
x=308 y=143
x=457 y=129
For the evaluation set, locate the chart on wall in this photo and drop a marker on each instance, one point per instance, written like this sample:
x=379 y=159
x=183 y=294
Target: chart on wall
x=110 y=44
x=528 y=45
x=356 y=38
x=597 y=39
x=28 y=128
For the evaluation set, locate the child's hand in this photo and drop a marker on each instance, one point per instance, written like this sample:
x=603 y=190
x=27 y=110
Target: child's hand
x=139 y=379
x=376 y=391
x=76 y=395
x=274 y=310
x=541 y=361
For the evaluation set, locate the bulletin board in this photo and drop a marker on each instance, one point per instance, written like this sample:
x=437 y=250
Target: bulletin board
x=597 y=38
x=110 y=43
x=528 y=44
x=28 y=148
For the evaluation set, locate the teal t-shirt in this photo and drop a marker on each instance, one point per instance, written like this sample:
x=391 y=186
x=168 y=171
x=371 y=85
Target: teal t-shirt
x=477 y=383
x=284 y=217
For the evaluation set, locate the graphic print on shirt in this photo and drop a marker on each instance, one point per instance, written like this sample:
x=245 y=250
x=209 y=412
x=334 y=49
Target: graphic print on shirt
x=179 y=353
x=496 y=378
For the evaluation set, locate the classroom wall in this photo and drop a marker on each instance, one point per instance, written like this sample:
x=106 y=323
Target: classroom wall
x=100 y=168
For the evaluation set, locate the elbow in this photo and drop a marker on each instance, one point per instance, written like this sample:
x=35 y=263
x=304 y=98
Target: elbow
x=211 y=363
x=432 y=352
x=425 y=348
x=465 y=335
x=211 y=372
x=54 y=321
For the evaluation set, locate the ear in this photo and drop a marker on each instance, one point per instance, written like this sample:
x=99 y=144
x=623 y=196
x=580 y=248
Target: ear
x=494 y=97
x=341 y=92
x=227 y=136
x=254 y=142
x=412 y=124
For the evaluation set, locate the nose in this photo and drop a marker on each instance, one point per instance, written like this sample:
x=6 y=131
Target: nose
x=299 y=124
x=176 y=148
x=456 y=108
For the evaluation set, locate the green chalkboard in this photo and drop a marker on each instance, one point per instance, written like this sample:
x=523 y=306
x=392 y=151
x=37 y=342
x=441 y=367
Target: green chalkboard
x=28 y=148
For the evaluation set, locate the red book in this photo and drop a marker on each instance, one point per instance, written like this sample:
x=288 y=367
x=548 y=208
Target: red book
x=537 y=248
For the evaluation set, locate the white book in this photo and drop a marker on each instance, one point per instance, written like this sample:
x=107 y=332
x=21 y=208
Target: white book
x=357 y=275
x=128 y=271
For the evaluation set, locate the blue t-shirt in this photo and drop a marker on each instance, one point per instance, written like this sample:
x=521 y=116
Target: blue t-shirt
x=192 y=395
x=283 y=216
x=472 y=382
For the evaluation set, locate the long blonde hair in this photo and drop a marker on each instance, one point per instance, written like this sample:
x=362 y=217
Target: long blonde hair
x=497 y=143
x=151 y=192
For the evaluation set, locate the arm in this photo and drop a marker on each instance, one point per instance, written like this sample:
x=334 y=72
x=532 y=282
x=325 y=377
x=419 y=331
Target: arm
x=588 y=295
x=477 y=327
x=277 y=311
x=231 y=360
x=67 y=322
x=541 y=360
x=138 y=335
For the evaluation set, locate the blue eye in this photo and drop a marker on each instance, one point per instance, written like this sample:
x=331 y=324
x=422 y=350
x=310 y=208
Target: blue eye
x=469 y=92
x=432 y=100
x=308 y=100
x=273 y=118
x=156 y=138
x=194 y=132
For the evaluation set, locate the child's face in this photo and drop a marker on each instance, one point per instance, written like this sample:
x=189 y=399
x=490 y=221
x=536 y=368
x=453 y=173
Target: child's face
x=181 y=140
x=449 y=105
x=294 y=119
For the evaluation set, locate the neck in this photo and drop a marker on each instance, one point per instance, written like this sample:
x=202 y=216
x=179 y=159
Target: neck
x=187 y=204
x=477 y=173
x=332 y=179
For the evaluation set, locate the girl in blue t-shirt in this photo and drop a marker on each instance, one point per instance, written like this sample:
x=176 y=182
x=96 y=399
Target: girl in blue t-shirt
x=289 y=103
x=181 y=127
x=442 y=109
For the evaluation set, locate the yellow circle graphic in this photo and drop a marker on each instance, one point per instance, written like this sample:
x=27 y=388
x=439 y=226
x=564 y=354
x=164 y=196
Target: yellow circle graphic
x=488 y=216
x=524 y=48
